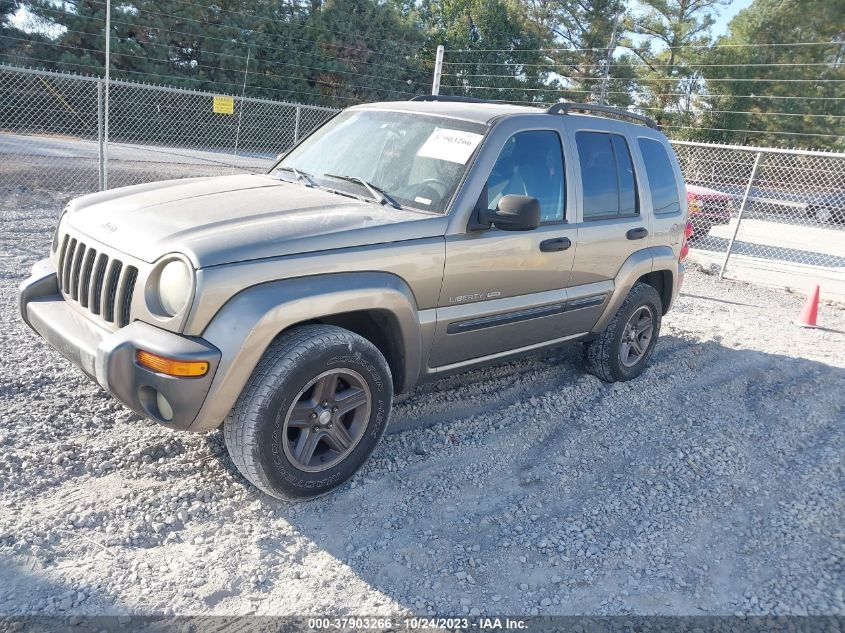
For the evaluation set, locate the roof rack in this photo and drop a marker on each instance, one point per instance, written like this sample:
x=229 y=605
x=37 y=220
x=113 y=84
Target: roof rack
x=565 y=107
x=453 y=98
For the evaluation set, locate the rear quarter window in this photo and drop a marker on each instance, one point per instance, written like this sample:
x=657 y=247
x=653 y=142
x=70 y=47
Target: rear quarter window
x=661 y=177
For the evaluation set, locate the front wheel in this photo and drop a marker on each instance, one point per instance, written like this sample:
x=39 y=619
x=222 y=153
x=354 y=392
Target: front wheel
x=314 y=409
x=622 y=351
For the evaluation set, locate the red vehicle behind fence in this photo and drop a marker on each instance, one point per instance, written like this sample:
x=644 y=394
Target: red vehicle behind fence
x=707 y=208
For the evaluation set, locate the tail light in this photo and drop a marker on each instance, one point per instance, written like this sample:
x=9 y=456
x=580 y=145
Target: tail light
x=693 y=204
x=688 y=231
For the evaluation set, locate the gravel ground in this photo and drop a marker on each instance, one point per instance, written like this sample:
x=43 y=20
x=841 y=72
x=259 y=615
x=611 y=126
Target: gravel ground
x=713 y=484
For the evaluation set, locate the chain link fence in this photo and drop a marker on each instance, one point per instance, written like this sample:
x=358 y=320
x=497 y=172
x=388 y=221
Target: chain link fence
x=52 y=131
x=49 y=130
x=777 y=213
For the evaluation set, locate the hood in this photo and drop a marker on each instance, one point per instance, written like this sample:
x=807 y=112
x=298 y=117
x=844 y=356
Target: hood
x=235 y=218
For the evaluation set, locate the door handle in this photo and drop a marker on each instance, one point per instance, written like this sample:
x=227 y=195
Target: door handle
x=637 y=233
x=556 y=244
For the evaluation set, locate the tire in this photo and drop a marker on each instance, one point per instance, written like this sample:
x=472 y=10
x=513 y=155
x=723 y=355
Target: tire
x=263 y=430
x=604 y=355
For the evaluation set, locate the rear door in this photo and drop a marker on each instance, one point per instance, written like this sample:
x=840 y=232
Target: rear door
x=612 y=216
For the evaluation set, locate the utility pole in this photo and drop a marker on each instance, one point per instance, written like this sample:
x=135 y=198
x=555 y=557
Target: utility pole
x=106 y=99
x=438 y=70
x=609 y=59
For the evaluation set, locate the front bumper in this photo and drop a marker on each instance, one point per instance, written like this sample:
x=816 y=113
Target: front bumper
x=109 y=358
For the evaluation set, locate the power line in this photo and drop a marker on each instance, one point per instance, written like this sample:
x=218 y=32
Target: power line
x=680 y=94
x=663 y=79
x=706 y=111
x=298 y=25
x=619 y=65
x=196 y=79
x=666 y=94
x=238 y=57
x=190 y=64
x=699 y=112
x=228 y=41
x=722 y=129
x=240 y=30
x=541 y=50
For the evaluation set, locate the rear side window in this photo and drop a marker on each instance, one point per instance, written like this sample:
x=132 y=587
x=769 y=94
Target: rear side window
x=607 y=175
x=661 y=176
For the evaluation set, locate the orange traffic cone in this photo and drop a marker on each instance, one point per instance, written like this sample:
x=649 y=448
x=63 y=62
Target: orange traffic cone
x=810 y=311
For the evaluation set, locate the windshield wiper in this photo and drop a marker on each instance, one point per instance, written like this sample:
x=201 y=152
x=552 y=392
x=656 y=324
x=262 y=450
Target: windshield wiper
x=380 y=195
x=301 y=176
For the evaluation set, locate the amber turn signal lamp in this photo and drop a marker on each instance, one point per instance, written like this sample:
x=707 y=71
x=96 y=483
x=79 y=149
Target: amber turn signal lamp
x=171 y=367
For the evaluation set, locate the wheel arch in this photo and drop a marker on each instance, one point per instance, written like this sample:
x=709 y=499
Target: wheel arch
x=381 y=328
x=653 y=265
x=663 y=282
x=378 y=306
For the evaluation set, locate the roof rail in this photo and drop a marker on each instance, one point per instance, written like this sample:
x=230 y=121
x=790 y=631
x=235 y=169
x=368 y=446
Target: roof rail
x=453 y=98
x=564 y=107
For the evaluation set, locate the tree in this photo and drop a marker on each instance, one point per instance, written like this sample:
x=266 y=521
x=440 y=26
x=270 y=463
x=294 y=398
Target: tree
x=501 y=57
x=785 y=94
x=581 y=31
x=665 y=35
x=8 y=8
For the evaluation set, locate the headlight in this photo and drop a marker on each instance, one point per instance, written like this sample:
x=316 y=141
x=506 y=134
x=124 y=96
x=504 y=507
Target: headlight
x=174 y=286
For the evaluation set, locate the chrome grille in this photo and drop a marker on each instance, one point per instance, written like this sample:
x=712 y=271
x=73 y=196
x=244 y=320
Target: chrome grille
x=100 y=283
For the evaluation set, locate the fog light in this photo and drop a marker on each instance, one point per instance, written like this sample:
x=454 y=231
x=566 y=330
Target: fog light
x=164 y=408
x=172 y=367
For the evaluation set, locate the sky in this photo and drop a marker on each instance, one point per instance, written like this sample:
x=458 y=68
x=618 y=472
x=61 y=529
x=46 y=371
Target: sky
x=725 y=15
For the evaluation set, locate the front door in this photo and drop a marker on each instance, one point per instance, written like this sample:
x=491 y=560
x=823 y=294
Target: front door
x=504 y=290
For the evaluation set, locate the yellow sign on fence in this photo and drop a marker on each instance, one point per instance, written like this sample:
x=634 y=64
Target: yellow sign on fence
x=224 y=105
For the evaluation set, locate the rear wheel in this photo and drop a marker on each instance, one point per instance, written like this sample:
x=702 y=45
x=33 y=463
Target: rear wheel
x=312 y=412
x=622 y=351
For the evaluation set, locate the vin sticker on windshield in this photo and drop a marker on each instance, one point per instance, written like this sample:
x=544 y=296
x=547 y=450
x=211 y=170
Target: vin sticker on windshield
x=455 y=146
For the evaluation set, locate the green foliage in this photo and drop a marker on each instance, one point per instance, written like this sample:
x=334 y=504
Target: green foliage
x=335 y=53
x=341 y=52
x=791 y=90
x=500 y=47
x=665 y=35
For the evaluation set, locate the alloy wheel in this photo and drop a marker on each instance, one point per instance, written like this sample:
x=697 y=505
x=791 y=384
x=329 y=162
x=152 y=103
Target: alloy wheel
x=636 y=336
x=326 y=420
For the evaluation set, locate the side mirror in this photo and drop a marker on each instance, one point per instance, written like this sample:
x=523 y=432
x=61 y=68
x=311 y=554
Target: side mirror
x=514 y=213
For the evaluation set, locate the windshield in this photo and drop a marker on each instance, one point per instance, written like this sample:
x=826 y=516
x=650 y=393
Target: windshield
x=391 y=157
